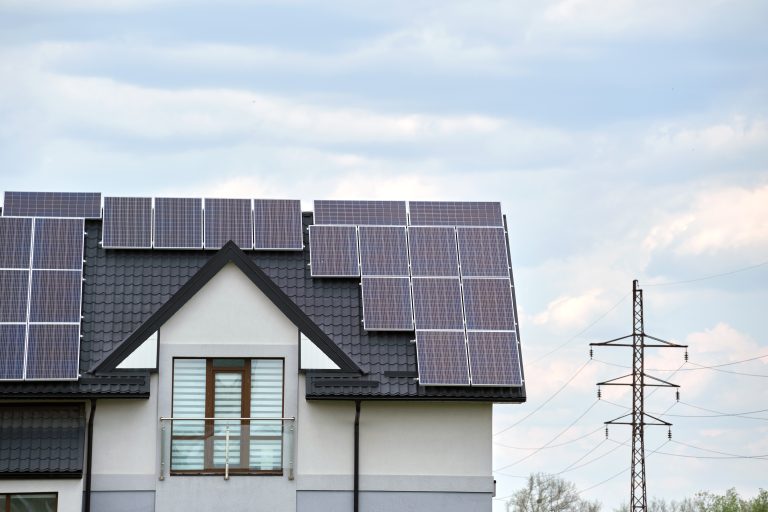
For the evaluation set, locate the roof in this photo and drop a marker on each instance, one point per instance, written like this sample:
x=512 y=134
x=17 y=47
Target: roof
x=42 y=440
x=128 y=293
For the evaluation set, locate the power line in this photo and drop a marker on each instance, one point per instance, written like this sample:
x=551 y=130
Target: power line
x=700 y=367
x=724 y=456
x=545 y=401
x=598 y=429
x=718 y=452
x=712 y=276
x=550 y=441
x=717 y=415
x=620 y=472
x=572 y=466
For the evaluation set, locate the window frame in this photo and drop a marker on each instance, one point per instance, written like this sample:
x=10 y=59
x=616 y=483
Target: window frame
x=6 y=507
x=208 y=435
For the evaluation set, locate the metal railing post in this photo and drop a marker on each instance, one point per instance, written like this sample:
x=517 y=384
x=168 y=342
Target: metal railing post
x=226 y=452
x=162 y=451
x=289 y=448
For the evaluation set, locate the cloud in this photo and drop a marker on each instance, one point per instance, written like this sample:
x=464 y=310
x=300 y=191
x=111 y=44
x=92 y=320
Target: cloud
x=573 y=312
x=726 y=220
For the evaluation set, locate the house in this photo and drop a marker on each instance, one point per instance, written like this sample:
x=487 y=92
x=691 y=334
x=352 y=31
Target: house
x=179 y=354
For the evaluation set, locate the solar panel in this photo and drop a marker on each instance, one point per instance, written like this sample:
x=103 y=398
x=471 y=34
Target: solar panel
x=278 y=224
x=228 y=219
x=387 y=304
x=53 y=204
x=455 y=213
x=442 y=358
x=127 y=223
x=12 y=351
x=433 y=251
x=333 y=251
x=55 y=296
x=483 y=252
x=437 y=303
x=372 y=213
x=58 y=244
x=53 y=352
x=493 y=359
x=383 y=251
x=488 y=304
x=14 y=290
x=15 y=240
x=178 y=223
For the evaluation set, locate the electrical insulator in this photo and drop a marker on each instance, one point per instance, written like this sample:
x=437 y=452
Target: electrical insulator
x=606 y=432
x=677 y=395
x=591 y=353
x=686 y=355
x=669 y=434
x=599 y=394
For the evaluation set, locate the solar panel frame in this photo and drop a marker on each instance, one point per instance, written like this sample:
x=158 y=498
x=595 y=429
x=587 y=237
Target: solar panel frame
x=13 y=340
x=432 y=251
x=55 y=296
x=483 y=251
x=333 y=251
x=494 y=358
x=441 y=358
x=52 y=204
x=360 y=213
x=437 y=303
x=178 y=223
x=53 y=352
x=488 y=304
x=15 y=242
x=387 y=304
x=383 y=251
x=228 y=219
x=58 y=243
x=14 y=290
x=455 y=213
x=287 y=235
x=127 y=223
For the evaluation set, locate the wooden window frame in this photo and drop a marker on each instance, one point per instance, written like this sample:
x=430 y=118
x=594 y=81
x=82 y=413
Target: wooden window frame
x=208 y=436
x=6 y=507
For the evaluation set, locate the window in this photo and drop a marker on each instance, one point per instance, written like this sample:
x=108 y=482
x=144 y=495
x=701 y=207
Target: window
x=227 y=388
x=28 y=502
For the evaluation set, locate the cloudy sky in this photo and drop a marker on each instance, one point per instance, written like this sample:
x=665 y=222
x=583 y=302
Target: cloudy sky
x=625 y=139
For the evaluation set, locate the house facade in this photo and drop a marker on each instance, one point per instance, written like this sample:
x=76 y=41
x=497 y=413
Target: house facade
x=234 y=379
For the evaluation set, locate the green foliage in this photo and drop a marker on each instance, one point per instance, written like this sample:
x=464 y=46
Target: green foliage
x=705 y=501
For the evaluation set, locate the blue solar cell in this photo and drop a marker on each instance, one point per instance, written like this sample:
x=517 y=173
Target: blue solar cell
x=442 y=358
x=53 y=352
x=12 y=351
x=488 y=304
x=228 y=219
x=361 y=213
x=383 y=251
x=15 y=240
x=483 y=252
x=333 y=251
x=14 y=290
x=58 y=244
x=387 y=304
x=53 y=204
x=127 y=223
x=55 y=296
x=437 y=303
x=493 y=359
x=433 y=251
x=178 y=223
x=455 y=213
x=278 y=224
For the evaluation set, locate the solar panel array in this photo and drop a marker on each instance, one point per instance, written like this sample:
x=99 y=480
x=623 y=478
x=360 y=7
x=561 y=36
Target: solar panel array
x=85 y=205
x=443 y=271
x=194 y=223
x=41 y=285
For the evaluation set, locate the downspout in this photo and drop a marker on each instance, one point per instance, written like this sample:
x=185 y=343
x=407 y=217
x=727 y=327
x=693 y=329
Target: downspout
x=87 y=492
x=356 y=491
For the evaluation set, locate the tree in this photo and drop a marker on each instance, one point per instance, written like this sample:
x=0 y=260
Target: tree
x=704 y=501
x=549 y=493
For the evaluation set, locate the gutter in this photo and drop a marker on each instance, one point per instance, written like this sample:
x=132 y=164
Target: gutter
x=87 y=490
x=356 y=491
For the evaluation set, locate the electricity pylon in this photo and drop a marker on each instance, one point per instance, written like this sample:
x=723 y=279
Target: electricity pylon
x=638 y=501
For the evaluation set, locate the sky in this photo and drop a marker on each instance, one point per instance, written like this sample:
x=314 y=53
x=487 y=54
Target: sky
x=625 y=140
